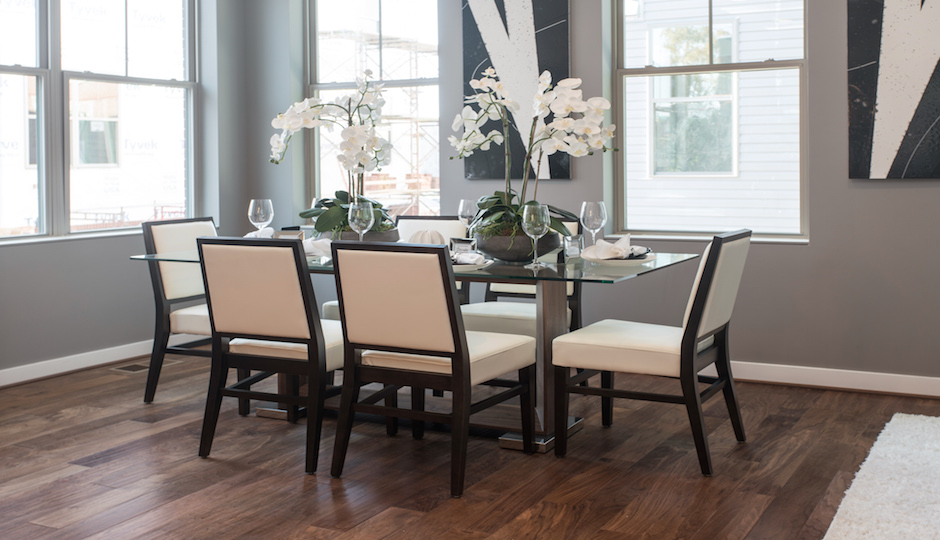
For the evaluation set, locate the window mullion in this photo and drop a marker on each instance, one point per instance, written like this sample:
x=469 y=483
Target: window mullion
x=55 y=139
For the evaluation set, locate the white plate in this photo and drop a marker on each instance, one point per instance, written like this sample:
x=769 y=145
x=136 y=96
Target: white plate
x=620 y=262
x=471 y=267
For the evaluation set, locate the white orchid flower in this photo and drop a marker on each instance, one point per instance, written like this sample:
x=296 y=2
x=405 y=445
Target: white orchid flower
x=564 y=123
x=489 y=72
x=551 y=145
x=584 y=127
x=545 y=81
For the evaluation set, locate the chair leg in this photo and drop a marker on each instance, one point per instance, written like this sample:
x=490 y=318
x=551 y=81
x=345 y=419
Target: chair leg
x=316 y=395
x=607 y=402
x=731 y=398
x=561 y=410
x=460 y=433
x=391 y=422
x=417 y=404
x=243 y=403
x=527 y=380
x=293 y=389
x=160 y=339
x=217 y=378
x=693 y=405
x=348 y=399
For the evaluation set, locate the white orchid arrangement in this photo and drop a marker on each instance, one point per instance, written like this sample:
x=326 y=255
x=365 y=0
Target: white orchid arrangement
x=362 y=150
x=357 y=114
x=562 y=121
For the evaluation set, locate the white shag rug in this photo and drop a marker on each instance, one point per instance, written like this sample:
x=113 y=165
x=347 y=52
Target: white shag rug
x=896 y=493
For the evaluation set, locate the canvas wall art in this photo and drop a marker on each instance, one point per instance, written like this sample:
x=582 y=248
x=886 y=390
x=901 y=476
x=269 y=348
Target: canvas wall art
x=520 y=39
x=894 y=88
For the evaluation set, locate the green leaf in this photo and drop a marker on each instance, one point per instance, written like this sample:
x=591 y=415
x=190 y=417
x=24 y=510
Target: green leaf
x=342 y=196
x=331 y=219
x=563 y=214
x=312 y=212
x=559 y=227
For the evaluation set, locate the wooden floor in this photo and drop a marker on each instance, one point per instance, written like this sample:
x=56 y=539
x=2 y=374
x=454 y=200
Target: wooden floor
x=81 y=456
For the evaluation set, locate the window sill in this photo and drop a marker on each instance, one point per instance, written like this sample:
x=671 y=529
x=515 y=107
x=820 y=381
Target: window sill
x=90 y=235
x=696 y=237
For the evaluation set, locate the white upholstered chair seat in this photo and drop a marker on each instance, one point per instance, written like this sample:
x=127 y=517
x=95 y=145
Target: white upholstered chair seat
x=503 y=317
x=491 y=355
x=191 y=320
x=330 y=310
x=332 y=344
x=624 y=347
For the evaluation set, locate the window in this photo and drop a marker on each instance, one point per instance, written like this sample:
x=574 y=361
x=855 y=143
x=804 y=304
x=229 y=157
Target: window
x=397 y=41
x=121 y=73
x=710 y=116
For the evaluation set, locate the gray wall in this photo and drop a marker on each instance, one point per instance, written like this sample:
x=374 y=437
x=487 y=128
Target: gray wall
x=860 y=295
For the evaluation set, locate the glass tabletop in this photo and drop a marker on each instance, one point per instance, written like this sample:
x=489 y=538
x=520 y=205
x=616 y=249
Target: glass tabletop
x=580 y=270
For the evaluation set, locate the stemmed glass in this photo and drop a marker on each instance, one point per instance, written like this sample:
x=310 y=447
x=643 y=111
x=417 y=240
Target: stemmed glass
x=466 y=211
x=593 y=217
x=260 y=212
x=535 y=223
x=361 y=217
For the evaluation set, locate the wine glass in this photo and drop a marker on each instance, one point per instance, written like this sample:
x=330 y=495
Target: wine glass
x=361 y=217
x=260 y=212
x=466 y=211
x=535 y=222
x=593 y=217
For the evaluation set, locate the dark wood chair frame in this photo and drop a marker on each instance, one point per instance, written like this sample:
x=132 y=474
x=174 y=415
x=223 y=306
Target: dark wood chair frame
x=161 y=335
x=691 y=363
x=319 y=386
x=463 y=294
x=457 y=382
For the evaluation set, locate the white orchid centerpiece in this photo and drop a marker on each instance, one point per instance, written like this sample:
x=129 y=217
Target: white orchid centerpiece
x=561 y=121
x=362 y=149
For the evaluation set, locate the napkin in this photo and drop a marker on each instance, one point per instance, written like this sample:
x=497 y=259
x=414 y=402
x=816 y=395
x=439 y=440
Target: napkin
x=266 y=232
x=469 y=258
x=318 y=248
x=621 y=249
x=427 y=237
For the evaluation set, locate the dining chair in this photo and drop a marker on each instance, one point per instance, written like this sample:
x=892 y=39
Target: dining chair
x=424 y=346
x=176 y=284
x=512 y=317
x=263 y=316
x=409 y=226
x=611 y=346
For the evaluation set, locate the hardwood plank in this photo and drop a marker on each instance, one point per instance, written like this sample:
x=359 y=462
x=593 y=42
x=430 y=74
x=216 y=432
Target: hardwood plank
x=82 y=457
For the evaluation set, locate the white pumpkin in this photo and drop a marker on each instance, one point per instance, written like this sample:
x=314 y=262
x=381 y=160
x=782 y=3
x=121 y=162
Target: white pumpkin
x=427 y=237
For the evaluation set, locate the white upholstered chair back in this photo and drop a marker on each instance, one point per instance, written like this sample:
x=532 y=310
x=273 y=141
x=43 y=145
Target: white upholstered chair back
x=396 y=298
x=180 y=280
x=448 y=228
x=722 y=265
x=256 y=289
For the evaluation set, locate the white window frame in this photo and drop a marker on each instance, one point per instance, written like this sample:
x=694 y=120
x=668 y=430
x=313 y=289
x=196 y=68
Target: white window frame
x=651 y=111
x=54 y=125
x=314 y=87
x=619 y=188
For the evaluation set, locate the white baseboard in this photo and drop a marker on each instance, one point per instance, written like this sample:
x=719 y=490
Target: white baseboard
x=866 y=381
x=75 y=362
x=842 y=379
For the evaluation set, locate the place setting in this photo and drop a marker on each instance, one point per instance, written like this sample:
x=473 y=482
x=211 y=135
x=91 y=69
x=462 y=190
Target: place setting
x=619 y=253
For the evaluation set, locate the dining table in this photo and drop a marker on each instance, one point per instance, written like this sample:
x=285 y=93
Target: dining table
x=550 y=282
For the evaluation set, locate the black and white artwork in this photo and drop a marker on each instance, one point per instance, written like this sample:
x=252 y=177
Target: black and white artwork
x=520 y=39
x=894 y=88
